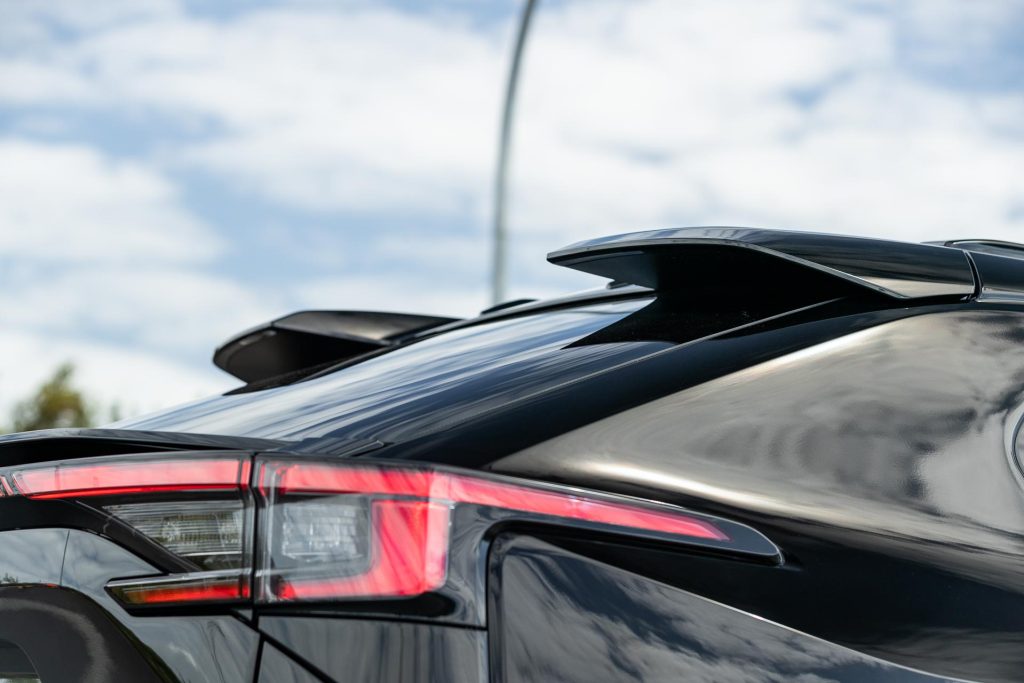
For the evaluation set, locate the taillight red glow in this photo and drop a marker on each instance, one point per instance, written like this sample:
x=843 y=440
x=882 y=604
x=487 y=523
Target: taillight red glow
x=157 y=596
x=403 y=550
x=328 y=479
x=77 y=480
x=189 y=588
x=321 y=531
x=202 y=515
x=409 y=556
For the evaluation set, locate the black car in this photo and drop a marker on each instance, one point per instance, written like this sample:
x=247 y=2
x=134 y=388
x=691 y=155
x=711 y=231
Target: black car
x=754 y=456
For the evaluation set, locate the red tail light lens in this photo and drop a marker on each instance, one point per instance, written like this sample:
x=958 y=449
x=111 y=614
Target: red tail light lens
x=340 y=530
x=383 y=531
x=401 y=552
x=198 y=508
x=329 y=536
x=455 y=488
x=125 y=476
x=187 y=588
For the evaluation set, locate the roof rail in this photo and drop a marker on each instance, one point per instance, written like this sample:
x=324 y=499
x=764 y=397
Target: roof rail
x=310 y=338
x=680 y=258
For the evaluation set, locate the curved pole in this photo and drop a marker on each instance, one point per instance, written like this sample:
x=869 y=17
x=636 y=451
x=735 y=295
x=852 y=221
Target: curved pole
x=499 y=271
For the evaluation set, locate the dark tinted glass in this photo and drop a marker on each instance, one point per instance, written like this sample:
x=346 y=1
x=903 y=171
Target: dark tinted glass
x=429 y=384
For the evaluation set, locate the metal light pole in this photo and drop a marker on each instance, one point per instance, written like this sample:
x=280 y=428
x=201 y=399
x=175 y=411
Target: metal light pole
x=499 y=272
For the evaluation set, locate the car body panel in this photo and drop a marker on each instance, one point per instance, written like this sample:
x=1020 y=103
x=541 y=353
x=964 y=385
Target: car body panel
x=868 y=430
x=77 y=565
x=278 y=667
x=67 y=637
x=564 y=617
x=878 y=462
x=379 y=651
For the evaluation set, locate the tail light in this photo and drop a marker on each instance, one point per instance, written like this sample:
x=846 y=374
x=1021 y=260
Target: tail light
x=300 y=530
x=130 y=476
x=210 y=533
x=197 y=508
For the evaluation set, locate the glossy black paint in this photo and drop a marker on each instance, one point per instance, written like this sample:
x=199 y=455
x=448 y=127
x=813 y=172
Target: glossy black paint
x=372 y=651
x=898 y=269
x=78 y=564
x=868 y=424
x=565 y=617
x=63 y=444
x=983 y=246
x=277 y=667
x=67 y=637
x=878 y=462
x=538 y=417
x=33 y=556
x=206 y=648
x=311 y=338
x=1002 y=277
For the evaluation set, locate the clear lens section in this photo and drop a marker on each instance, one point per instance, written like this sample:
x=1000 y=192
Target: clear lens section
x=352 y=546
x=324 y=531
x=312 y=538
x=207 y=532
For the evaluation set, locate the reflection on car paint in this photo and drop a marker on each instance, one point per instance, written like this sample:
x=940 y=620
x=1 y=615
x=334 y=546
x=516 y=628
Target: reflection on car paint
x=890 y=444
x=384 y=652
x=566 y=618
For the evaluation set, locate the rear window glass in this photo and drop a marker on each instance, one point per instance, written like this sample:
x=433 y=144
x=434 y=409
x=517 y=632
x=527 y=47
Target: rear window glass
x=426 y=385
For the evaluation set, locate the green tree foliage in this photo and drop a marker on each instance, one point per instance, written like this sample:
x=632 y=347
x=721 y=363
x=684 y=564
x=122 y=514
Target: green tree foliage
x=57 y=403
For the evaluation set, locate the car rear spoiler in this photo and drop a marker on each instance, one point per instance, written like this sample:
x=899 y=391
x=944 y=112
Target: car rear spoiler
x=310 y=338
x=681 y=258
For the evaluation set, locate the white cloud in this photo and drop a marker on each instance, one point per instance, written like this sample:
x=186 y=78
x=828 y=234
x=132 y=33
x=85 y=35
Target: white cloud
x=29 y=82
x=75 y=15
x=402 y=294
x=105 y=268
x=830 y=116
x=633 y=114
x=661 y=113
x=178 y=312
x=366 y=107
x=70 y=203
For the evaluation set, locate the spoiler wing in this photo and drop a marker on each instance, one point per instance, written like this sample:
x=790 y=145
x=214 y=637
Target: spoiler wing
x=681 y=257
x=310 y=338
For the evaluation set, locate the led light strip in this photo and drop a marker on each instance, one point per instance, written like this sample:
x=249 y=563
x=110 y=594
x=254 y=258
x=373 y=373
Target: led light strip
x=78 y=480
x=315 y=478
x=228 y=586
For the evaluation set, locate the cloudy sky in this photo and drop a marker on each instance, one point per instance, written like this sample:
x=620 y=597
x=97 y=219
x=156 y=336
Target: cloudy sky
x=171 y=173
